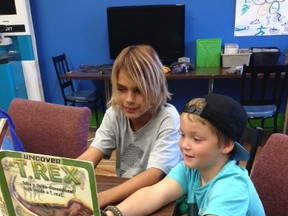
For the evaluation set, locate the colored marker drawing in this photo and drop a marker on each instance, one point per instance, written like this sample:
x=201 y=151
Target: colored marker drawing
x=261 y=17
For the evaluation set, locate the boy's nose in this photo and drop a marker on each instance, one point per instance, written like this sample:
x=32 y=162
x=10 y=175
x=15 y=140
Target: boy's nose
x=185 y=144
x=130 y=97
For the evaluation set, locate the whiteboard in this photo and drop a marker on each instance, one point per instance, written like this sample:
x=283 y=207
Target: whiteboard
x=261 y=17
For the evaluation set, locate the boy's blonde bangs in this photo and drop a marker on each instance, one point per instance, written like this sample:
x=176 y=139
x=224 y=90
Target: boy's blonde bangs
x=145 y=69
x=201 y=103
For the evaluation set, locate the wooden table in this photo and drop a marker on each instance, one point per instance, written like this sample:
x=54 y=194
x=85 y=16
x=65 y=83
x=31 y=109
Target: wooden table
x=107 y=182
x=210 y=73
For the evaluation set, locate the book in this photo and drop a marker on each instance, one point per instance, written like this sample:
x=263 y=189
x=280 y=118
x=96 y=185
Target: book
x=3 y=130
x=35 y=184
x=6 y=141
x=2 y=126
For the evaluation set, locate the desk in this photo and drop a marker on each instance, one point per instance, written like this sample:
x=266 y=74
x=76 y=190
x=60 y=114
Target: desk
x=79 y=75
x=209 y=73
x=106 y=182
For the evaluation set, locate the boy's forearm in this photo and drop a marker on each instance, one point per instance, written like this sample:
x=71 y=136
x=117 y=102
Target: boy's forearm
x=122 y=191
x=134 y=204
x=142 y=202
x=92 y=154
x=149 y=199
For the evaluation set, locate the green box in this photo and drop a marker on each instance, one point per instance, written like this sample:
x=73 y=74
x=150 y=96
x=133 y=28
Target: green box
x=208 y=52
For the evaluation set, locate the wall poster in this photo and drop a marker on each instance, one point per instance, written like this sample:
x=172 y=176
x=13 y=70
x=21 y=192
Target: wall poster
x=261 y=17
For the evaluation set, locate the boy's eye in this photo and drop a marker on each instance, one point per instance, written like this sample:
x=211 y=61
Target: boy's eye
x=197 y=139
x=137 y=91
x=121 y=89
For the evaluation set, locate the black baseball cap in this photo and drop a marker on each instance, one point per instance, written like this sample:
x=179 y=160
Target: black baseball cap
x=227 y=115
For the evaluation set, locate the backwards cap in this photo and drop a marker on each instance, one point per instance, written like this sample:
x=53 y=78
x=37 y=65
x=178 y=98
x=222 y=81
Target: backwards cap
x=227 y=115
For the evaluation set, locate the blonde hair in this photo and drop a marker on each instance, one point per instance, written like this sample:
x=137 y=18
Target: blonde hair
x=200 y=103
x=144 y=67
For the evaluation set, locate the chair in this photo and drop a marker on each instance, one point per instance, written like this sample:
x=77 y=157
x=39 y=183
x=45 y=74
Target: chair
x=270 y=174
x=51 y=129
x=251 y=138
x=262 y=89
x=286 y=119
x=69 y=93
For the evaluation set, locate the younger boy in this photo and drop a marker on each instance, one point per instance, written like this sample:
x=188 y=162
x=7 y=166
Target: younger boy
x=208 y=177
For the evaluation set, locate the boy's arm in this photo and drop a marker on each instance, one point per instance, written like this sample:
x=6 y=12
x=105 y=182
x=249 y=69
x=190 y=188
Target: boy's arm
x=92 y=154
x=122 y=191
x=149 y=199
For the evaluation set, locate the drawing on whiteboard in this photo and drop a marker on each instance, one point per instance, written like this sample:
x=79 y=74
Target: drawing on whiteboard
x=261 y=17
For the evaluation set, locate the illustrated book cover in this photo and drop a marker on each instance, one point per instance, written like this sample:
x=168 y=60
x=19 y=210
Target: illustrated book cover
x=6 y=141
x=35 y=184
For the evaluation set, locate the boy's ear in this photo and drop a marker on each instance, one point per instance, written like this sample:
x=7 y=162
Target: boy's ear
x=228 y=146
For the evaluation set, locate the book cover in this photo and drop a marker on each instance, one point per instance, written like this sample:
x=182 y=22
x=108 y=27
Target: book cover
x=6 y=141
x=35 y=184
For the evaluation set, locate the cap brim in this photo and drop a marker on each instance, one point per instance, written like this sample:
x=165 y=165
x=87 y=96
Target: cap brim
x=240 y=153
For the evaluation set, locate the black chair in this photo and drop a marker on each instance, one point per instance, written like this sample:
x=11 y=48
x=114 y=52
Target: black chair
x=262 y=89
x=70 y=95
x=251 y=139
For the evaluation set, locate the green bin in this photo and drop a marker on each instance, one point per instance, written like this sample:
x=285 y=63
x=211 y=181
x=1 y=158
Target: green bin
x=208 y=52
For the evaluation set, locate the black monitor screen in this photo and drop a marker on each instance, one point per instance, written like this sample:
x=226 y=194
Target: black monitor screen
x=7 y=7
x=161 y=26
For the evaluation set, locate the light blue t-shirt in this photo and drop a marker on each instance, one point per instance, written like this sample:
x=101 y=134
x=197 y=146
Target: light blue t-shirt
x=231 y=192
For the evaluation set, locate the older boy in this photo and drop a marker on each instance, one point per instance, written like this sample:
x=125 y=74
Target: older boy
x=139 y=124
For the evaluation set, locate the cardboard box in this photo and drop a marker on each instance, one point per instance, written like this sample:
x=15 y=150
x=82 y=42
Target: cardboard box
x=238 y=59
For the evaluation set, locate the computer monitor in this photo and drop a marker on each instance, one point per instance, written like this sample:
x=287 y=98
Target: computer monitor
x=14 y=17
x=161 y=26
x=7 y=7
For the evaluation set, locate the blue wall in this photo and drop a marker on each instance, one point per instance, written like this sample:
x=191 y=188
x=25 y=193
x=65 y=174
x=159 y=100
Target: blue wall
x=79 y=28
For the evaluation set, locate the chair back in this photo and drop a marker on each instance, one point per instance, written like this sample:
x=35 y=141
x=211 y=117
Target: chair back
x=262 y=90
x=51 y=129
x=263 y=85
x=270 y=174
x=251 y=139
x=62 y=67
x=72 y=96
